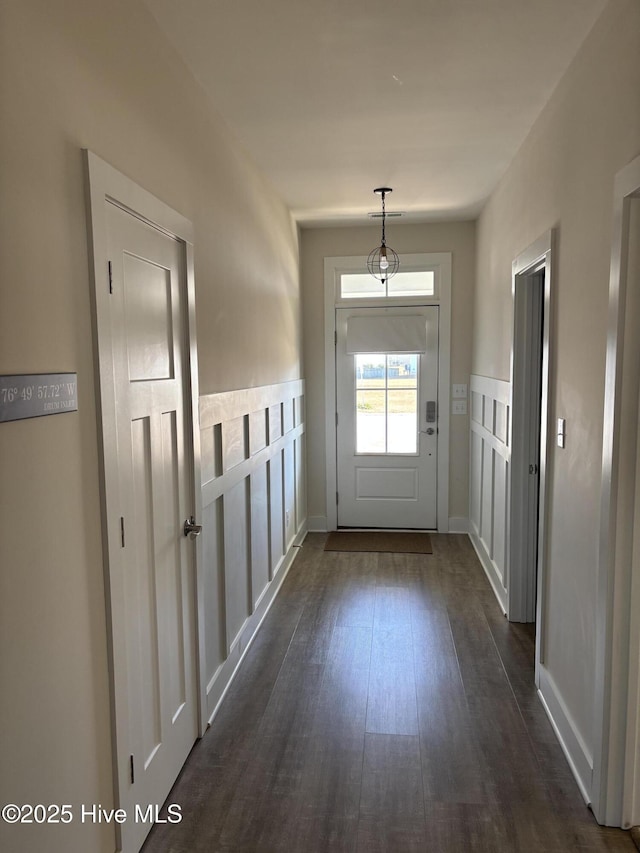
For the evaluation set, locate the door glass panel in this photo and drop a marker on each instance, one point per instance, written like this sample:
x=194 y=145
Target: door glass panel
x=403 y=370
x=386 y=403
x=402 y=421
x=370 y=370
x=371 y=421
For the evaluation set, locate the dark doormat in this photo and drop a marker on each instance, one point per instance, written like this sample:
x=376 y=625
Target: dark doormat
x=395 y=543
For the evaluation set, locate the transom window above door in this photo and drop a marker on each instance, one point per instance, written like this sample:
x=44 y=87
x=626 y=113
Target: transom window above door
x=410 y=283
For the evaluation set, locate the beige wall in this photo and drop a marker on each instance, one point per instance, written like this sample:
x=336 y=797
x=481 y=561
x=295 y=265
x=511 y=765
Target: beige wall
x=73 y=74
x=318 y=243
x=563 y=178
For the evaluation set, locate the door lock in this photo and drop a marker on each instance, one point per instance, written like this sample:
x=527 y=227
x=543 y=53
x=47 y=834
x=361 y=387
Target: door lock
x=191 y=529
x=430 y=431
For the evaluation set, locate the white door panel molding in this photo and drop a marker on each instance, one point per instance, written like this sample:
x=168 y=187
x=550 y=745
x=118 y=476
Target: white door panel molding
x=147 y=381
x=387 y=417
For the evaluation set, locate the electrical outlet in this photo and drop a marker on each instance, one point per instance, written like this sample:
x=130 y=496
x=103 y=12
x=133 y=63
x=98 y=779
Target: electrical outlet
x=459 y=407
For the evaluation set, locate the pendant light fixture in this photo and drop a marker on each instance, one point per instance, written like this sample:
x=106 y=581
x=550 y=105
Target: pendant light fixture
x=383 y=262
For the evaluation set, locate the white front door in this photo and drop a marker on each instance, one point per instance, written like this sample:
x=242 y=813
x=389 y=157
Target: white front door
x=387 y=416
x=153 y=611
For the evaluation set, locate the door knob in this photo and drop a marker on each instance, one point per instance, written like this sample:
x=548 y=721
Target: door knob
x=430 y=431
x=192 y=529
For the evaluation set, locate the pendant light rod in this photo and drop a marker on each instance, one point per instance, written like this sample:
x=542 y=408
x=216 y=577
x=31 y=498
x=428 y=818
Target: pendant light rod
x=383 y=192
x=383 y=262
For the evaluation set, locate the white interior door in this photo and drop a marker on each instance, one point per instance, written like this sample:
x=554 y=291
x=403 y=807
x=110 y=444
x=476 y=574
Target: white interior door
x=387 y=416
x=153 y=612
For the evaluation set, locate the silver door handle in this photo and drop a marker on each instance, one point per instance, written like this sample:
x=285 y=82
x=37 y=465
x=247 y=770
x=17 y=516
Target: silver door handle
x=191 y=529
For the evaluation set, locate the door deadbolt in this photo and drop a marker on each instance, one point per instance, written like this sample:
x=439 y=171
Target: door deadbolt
x=191 y=529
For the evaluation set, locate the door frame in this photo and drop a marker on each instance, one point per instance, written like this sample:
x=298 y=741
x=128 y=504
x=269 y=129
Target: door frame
x=616 y=712
x=526 y=578
x=419 y=513
x=334 y=267
x=531 y=289
x=104 y=183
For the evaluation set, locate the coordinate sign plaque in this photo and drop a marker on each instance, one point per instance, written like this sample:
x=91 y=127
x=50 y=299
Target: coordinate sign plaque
x=36 y=394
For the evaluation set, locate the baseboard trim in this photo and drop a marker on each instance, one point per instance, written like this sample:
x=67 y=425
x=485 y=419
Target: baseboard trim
x=226 y=672
x=573 y=746
x=318 y=524
x=300 y=536
x=490 y=570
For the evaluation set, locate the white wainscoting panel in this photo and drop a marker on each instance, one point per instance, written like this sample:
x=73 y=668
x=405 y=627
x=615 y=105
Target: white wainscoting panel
x=490 y=458
x=260 y=561
x=237 y=574
x=275 y=473
x=254 y=516
x=489 y=498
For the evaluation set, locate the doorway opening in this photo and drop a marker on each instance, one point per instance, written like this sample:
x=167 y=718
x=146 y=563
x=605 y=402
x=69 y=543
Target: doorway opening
x=529 y=434
x=387 y=417
x=357 y=312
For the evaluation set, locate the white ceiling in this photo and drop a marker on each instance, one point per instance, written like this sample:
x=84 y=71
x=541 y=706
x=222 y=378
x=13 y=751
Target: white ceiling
x=332 y=98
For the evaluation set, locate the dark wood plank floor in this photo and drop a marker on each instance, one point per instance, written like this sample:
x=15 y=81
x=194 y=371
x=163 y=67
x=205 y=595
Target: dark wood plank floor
x=385 y=705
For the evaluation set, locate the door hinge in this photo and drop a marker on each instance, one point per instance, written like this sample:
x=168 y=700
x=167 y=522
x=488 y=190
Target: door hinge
x=335 y=339
x=533 y=469
x=337 y=498
x=133 y=779
x=122 y=530
x=336 y=419
x=110 y=278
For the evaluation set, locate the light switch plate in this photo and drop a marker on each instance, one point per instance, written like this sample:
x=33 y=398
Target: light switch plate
x=459 y=407
x=562 y=426
x=459 y=392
